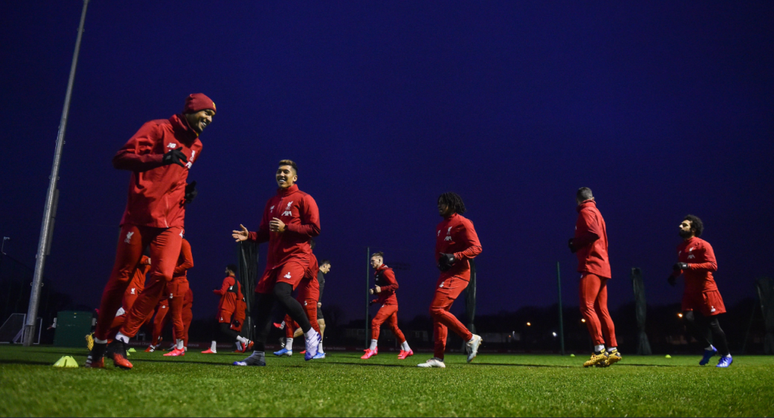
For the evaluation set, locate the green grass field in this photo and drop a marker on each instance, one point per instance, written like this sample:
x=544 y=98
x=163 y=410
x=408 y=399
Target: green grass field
x=344 y=385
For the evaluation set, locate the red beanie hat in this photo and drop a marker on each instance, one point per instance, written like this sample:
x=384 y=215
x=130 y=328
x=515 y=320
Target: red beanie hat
x=196 y=102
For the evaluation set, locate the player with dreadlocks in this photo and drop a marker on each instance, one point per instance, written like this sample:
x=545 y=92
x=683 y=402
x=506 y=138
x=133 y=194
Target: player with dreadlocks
x=456 y=242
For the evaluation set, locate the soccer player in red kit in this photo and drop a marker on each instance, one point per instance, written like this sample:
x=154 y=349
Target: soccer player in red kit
x=590 y=246
x=456 y=242
x=187 y=317
x=384 y=289
x=228 y=311
x=290 y=220
x=178 y=288
x=696 y=262
x=308 y=296
x=158 y=156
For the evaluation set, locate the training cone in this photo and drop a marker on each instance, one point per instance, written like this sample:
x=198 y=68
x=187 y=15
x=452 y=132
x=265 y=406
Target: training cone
x=572 y=355
x=668 y=356
x=131 y=350
x=66 y=361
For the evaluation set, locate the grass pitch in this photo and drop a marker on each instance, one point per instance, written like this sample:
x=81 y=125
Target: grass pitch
x=344 y=385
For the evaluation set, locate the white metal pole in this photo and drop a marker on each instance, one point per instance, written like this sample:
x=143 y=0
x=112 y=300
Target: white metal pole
x=45 y=233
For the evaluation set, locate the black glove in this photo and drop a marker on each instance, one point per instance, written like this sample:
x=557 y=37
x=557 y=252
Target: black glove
x=175 y=156
x=572 y=246
x=446 y=261
x=235 y=323
x=680 y=266
x=190 y=192
x=672 y=280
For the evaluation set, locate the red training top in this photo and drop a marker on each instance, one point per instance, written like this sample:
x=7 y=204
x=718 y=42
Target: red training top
x=157 y=191
x=385 y=279
x=299 y=212
x=700 y=257
x=230 y=292
x=591 y=240
x=456 y=235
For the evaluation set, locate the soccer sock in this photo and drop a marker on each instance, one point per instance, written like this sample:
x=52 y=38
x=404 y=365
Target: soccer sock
x=179 y=344
x=610 y=349
x=320 y=347
x=599 y=348
x=214 y=346
x=289 y=344
x=121 y=337
x=98 y=341
x=404 y=346
x=710 y=348
x=309 y=333
x=242 y=340
x=373 y=344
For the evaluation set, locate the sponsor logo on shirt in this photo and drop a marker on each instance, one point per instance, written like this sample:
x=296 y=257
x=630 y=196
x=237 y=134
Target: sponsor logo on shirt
x=448 y=235
x=287 y=211
x=171 y=145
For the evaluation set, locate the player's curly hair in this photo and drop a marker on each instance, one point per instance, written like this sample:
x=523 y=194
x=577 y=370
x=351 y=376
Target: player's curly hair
x=696 y=224
x=232 y=268
x=290 y=163
x=583 y=194
x=454 y=201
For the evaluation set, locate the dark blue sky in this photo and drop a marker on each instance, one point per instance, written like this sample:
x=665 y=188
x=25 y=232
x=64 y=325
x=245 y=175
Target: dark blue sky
x=662 y=109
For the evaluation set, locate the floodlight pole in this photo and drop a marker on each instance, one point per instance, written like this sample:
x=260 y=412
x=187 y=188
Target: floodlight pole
x=50 y=209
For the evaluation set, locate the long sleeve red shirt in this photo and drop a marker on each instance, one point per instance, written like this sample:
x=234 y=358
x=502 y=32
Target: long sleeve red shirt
x=301 y=216
x=591 y=240
x=456 y=235
x=157 y=191
x=700 y=257
x=230 y=291
x=384 y=277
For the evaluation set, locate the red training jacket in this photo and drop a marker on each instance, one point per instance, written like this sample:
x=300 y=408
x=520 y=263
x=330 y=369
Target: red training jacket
x=385 y=279
x=456 y=235
x=299 y=212
x=700 y=257
x=156 y=191
x=591 y=240
x=230 y=292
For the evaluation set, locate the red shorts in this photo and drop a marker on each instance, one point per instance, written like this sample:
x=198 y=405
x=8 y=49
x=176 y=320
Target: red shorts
x=224 y=316
x=291 y=272
x=709 y=303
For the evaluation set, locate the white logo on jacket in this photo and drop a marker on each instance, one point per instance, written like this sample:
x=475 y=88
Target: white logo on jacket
x=287 y=211
x=128 y=239
x=172 y=145
x=287 y=276
x=132 y=292
x=448 y=235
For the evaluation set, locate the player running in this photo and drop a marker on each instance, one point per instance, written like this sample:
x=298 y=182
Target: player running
x=159 y=157
x=384 y=289
x=290 y=220
x=456 y=242
x=696 y=262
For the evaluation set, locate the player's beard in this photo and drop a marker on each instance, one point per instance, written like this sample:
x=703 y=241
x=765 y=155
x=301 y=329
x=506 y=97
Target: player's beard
x=685 y=234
